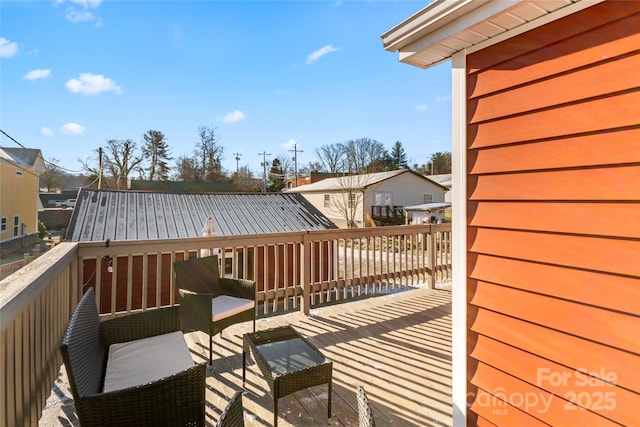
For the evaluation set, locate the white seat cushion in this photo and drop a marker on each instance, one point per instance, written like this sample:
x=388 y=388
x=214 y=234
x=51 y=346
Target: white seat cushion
x=225 y=306
x=141 y=361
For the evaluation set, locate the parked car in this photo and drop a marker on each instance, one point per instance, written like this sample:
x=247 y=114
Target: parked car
x=69 y=203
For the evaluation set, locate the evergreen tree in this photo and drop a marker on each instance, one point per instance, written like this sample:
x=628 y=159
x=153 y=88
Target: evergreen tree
x=398 y=157
x=156 y=152
x=276 y=176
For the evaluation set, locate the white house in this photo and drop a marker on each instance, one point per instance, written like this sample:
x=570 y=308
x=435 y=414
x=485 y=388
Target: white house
x=370 y=199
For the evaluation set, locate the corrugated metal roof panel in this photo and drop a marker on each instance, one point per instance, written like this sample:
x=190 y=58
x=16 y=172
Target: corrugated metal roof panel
x=132 y=215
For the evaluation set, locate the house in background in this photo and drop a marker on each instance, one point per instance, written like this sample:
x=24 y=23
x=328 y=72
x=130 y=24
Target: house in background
x=20 y=170
x=307 y=178
x=114 y=215
x=546 y=197
x=445 y=180
x=371 y=199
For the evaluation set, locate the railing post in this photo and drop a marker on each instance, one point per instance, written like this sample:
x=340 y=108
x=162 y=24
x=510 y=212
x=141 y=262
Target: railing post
x=306 y=274
x=432 y=257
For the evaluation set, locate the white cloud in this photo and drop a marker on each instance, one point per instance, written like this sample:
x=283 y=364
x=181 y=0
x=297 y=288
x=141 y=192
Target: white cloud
x=79 y=16
x=84 y=3
x=72 y=129
x=445 y=98
x=46 y=132
x=7 y=48
x=92 y=84
x=37 y=74
x=290 y=144
x=233 y=117
x=422 y=108
x=320 y=53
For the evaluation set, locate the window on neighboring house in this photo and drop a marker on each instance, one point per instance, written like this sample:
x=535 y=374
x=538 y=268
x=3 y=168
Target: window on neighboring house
x=427 y=198
x=382 y=198
x=352 y=200
x=3 y=224
x=327 y=200
x=16 y=224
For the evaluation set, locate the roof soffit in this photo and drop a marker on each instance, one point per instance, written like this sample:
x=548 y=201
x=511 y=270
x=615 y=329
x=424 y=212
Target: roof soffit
x=437 y=32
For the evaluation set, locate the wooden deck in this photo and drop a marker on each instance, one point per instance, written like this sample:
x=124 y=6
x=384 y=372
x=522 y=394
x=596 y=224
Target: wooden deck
x=398 y=346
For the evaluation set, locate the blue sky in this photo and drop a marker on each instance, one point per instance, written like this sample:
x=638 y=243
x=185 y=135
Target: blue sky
x=265 y=74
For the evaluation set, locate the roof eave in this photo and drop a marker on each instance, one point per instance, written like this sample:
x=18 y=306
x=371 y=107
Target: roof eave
x=434 y=16
x=446 y=27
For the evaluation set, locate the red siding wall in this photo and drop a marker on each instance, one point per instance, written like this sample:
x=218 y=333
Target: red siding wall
x=554 y=223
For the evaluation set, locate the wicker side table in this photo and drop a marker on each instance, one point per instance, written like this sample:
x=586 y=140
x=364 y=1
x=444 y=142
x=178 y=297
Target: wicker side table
x=288 y=362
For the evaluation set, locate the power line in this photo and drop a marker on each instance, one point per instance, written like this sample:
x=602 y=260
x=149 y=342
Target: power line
x=46 y=161
x=12 y=138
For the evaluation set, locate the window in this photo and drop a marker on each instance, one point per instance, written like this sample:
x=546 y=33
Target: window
x=327 y=200
x=16 y=223
x=427 y=198
x=382 y=198
x=3 y=224
x=352 y=200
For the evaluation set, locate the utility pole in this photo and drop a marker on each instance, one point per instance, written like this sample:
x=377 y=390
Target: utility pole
x=295 y=163
x=99 y=167
x=237 y=162
x=264 y=155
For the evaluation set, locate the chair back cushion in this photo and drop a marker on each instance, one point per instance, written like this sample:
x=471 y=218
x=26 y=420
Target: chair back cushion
x=199 y=275
x=83 y=349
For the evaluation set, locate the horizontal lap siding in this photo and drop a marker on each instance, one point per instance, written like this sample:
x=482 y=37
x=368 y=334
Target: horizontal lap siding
x=553 y=208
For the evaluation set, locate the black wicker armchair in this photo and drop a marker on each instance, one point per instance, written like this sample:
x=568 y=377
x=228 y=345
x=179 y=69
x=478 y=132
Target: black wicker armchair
x=233 y=415
x=174 y=399
x=210 y=303
x=365 y=416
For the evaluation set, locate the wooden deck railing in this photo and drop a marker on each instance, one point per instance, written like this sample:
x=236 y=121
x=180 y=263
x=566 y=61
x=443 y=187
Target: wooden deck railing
x=35 y=304
x=295 y=270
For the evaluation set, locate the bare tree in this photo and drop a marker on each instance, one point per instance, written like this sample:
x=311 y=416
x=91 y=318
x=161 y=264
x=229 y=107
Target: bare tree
x=365 y=155
x=331 y=157
x=156 y=151
x=349 y=200
x=286 y=164
x=120 y=159
x=244 y=180
x=187 y=169
x=52 y=177
x=209 y=151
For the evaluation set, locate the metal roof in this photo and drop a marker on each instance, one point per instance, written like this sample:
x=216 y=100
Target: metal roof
x=140 y=215
x=427 y=207
x=444 y=179
x=355 y=181
x=445 y=27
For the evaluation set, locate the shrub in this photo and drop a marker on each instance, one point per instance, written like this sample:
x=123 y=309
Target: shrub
x=42 y=229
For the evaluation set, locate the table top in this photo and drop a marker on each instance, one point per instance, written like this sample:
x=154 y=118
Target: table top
x=284 y=350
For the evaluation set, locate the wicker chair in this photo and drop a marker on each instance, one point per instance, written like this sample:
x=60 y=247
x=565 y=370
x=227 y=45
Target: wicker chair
x=365 y=416
x=176 y=399
x=233 y=415
x=210 y=303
